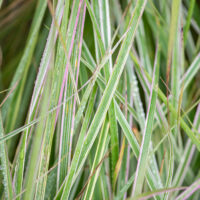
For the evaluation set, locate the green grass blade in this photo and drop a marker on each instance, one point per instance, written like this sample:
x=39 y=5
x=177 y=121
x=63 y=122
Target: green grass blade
x=79 y=146
x=141 y=166
x=188 y=20
x=105 y=27
x=174 y=21
x=5 y=168
x=101 y=147
x=32 y=170
x=191 y=72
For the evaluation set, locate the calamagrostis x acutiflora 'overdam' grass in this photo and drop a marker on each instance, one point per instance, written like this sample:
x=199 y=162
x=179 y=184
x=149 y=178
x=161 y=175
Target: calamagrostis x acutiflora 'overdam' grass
x=100 y=99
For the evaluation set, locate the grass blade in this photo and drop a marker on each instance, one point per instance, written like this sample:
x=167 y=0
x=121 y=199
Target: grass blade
x=7 y=180
x=141 y=167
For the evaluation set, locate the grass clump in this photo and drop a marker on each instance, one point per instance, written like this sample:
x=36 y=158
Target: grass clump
x=99 y=99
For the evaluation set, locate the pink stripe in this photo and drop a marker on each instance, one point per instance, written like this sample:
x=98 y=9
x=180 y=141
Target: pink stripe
x=78 y=64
